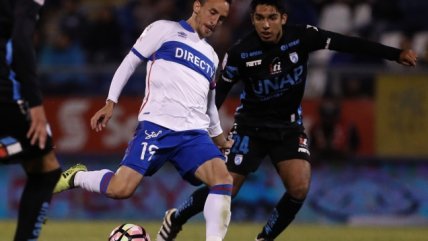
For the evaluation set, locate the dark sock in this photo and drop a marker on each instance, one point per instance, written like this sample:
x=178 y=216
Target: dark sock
x=193 y=205
x=281 y=217
x=34 y=204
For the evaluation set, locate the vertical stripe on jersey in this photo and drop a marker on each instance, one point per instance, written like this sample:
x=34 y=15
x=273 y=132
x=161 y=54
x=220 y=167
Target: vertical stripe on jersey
x=183 y=54
x=146 y=97
x=12 y=75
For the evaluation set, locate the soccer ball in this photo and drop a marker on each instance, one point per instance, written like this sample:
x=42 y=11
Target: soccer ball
x=129 y=232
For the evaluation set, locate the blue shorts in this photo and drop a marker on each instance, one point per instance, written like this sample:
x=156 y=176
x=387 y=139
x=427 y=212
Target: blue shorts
x=153 y=145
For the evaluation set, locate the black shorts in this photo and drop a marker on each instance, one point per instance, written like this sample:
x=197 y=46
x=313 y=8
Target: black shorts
x=14 y=125
x=252 y=146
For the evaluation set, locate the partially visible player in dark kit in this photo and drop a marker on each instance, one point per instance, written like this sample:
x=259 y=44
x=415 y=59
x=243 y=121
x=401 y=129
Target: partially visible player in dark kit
x=272 y=61
x=25 y=137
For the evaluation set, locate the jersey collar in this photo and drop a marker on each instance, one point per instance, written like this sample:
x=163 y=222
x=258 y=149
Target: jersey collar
x=186 y=26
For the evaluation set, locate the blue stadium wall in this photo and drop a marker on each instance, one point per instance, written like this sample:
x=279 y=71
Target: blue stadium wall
x=386 y=192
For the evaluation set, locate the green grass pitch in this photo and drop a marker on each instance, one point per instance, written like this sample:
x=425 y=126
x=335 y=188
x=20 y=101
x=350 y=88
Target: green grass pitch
x=56 y=230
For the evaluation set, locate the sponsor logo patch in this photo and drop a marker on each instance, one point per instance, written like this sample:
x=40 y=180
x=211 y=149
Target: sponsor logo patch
x=254 y=63
x=152 y=134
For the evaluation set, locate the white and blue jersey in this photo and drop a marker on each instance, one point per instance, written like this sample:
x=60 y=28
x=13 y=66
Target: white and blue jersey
x=180 y=71
x=178 y=114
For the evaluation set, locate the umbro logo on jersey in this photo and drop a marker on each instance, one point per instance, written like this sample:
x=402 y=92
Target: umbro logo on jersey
x=182 y=34
x=254 y=63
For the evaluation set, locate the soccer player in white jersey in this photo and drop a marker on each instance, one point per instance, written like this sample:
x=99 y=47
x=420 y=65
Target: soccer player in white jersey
x=177 y=117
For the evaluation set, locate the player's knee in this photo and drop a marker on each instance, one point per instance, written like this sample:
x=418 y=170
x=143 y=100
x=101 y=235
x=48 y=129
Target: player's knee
x=299 y=191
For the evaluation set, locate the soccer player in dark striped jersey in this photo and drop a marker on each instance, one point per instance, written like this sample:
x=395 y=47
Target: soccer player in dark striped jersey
x=271 y=61
x=24 y=132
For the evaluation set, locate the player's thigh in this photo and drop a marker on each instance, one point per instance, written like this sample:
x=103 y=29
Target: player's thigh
x=213 y=172
x=292 y=161
x=198 y=159
x=149 y=149
x=294 y=172
x=296 y=177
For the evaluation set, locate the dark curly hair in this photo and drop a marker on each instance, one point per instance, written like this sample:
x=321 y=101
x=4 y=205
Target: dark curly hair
x=278 y=4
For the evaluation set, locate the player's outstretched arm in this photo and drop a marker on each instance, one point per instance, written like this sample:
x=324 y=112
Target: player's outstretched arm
x=408 y=57
x=100 y=119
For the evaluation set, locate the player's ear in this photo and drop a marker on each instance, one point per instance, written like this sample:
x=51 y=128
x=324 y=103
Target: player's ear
x=196 y=7
x=284 y=19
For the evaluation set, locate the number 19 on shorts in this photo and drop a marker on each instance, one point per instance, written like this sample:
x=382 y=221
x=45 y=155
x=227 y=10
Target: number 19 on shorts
x=151 y=149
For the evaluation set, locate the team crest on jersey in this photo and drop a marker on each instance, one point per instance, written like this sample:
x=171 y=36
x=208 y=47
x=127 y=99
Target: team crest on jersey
x=294 y=58
x=238 y=159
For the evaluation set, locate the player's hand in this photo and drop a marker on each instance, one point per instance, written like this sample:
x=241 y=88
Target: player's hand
x=224 y=144
x=225 y=149
x=408 y=58
x=38 y=129
x=101 y=118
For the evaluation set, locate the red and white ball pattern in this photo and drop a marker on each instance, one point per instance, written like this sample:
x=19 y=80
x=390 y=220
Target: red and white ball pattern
x=129 y=232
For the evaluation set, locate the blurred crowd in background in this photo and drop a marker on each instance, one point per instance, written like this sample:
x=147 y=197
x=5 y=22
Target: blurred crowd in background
x=80 y=43
x=368 y=141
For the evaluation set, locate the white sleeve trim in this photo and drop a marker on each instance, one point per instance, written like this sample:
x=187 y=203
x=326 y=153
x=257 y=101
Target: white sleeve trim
x=122 y=75
x=214 y=128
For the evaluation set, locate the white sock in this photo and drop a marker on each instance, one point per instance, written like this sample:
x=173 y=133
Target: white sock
x=213 y=238
x=217 y=216
x=93 y=180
